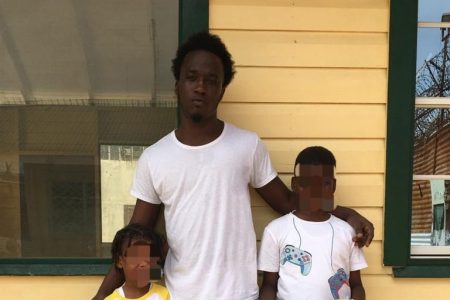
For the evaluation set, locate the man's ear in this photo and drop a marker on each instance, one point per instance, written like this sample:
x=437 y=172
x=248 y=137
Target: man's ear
x=334 y=185
x=222 y=93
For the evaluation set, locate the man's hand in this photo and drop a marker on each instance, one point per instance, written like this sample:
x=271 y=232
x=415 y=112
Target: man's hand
x=364 y=229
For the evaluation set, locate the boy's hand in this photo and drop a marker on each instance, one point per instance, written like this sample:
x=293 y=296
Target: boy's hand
x=364 y=229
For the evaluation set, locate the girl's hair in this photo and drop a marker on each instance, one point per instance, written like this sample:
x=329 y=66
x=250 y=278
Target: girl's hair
x=134 y=234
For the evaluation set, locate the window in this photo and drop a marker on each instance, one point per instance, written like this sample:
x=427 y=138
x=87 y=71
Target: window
x=417 y=216
x=76 y=113
x=430 y=221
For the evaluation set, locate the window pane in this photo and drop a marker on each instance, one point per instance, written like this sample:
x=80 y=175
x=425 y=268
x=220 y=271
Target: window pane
x=116 y=175
x=50 y=179
x=433 y=64
x=432 y=141
x=430 y=213
x=432 y=10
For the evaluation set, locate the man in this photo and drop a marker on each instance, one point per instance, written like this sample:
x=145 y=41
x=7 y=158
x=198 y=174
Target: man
x=201 y=172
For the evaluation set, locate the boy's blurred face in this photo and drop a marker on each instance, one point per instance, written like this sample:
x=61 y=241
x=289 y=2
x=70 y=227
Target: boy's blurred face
x=136 y=264
x=314 y=186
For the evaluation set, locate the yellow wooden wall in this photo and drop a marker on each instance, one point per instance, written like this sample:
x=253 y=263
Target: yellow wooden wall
x=314 y=72
x=309 y=72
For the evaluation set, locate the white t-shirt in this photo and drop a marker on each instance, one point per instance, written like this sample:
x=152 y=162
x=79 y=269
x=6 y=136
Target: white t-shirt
x=207 y=211
x=306 y=254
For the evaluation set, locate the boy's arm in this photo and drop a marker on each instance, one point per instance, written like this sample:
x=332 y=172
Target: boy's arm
x=358 y=292
x=281 y=199
x=145 y=214
x=269 y=286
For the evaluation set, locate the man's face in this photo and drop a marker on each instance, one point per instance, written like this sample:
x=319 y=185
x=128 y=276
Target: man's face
x=314 y=186
x=136 y=265
x=200 y=87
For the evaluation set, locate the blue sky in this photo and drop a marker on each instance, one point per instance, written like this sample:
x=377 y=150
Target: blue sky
x=429 y=39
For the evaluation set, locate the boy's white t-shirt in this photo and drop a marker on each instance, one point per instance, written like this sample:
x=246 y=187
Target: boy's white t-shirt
x=324 y=248
x=207 y=211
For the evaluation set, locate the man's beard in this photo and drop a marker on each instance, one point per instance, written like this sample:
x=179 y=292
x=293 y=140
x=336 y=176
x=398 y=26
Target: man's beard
x=196 y=118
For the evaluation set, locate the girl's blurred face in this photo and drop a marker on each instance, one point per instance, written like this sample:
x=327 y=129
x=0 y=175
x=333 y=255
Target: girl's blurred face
x=136 y=265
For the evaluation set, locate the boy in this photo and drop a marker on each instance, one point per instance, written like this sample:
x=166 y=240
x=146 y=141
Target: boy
x=136 y=251
x=309 y=253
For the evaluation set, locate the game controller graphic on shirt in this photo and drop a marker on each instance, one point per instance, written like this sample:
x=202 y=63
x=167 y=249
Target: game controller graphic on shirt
x=297 y=257
x=337 y=281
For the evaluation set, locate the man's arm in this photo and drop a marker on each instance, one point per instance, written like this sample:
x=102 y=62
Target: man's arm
x=145 y=214
x=269 y=286
x=280 y=198
x=358 y=292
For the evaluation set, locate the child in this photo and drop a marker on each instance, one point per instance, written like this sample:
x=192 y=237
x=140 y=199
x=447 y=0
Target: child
x=309 y=253
x=136 y=251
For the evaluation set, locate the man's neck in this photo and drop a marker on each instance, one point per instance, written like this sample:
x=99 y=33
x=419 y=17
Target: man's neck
x=316 y=216
x=196 y=134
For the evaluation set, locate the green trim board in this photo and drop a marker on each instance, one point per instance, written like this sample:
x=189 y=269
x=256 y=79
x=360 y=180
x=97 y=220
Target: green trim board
x=425 y=271
x=193 y=17
x=54 y=269
x=54 y=266
x=400 y=143
x=400 y=129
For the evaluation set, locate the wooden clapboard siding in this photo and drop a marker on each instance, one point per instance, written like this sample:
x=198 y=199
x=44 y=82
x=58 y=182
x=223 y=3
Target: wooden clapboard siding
x=353 y=190
x=295 y=3
x=294 y=85
x=307 y=49
x=277 y=120
x=366 y=16
x=385 y=287
x=374 y=257
x=352 y=155
x=54 y=287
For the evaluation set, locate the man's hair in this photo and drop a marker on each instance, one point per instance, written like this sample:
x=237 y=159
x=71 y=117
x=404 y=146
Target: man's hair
x=207 y=42
x=315 y=155
x=134 y=234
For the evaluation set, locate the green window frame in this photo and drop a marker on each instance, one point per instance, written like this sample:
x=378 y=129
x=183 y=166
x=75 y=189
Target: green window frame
x=399 y=147
x=193 y=17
